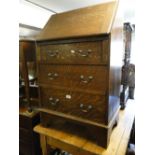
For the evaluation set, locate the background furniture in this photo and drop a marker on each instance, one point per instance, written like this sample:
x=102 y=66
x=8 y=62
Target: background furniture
x=51 y=138
x=128 y=69
x=28 y=88
x=29 y=142
x=28 y=99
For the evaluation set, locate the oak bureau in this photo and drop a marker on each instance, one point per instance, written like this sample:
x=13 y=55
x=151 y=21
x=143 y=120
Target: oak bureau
x=79 y=58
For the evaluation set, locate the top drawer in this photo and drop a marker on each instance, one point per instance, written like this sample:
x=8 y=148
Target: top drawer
x=74 y=53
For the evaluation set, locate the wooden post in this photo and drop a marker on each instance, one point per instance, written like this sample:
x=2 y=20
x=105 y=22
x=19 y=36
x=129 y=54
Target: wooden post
x=43 y=144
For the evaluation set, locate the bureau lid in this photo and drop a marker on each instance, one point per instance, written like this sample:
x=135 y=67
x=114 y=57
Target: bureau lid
x=88 y=21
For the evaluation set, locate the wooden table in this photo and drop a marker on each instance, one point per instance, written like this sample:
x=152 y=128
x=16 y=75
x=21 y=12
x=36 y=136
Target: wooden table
x=79 y=146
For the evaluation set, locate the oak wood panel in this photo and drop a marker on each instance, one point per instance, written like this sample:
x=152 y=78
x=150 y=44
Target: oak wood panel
x=72 y=118
x=24 y=122
x=88 y=78
x=25 y=134
x=85 y=131
x=28 y=140
x=115 y=60
x=75 y=23
x=27 y=64
x=74 y=53
x=28 y=47
x=83 y=105
x=25 y=148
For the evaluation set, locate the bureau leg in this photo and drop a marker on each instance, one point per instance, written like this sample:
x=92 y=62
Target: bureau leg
x=43 y=145
x=116 y=121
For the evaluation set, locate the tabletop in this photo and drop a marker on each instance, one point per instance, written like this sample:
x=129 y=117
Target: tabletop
x=79 y=146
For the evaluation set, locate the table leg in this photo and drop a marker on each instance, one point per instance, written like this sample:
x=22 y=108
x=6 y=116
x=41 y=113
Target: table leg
x=43 y=145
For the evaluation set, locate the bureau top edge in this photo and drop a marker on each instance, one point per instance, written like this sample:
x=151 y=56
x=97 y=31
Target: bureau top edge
x=74 y=39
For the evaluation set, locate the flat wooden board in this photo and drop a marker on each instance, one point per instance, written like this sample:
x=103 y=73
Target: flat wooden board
x=93 y=20
x=77 y=145
x=24 y=111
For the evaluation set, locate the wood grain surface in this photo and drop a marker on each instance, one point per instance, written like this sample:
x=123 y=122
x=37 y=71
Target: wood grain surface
x=83 y=42
x=74 y=53
x=92 y=20
x=84 y=105
x=79 y=77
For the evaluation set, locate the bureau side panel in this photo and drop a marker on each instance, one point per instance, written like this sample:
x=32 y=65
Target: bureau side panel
x=115 y=58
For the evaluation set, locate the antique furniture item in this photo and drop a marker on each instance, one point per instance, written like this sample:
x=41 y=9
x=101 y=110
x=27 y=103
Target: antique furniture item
x=28 y=139
x=28 y=97
x=79 y=59
x=128 y=69
x=27 y=69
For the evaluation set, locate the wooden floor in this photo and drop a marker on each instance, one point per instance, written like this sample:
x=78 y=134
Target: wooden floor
x=79 y=146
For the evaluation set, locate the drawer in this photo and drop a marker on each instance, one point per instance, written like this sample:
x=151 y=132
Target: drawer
x=25 y=148
x=75 y=53
x=25 y=135
x=81 y=77
x=24 y=122
x=85 y=105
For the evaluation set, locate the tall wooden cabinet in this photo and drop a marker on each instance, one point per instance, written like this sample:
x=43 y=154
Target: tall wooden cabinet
x=28 y=98
x=28 y=76
x=79 y=59
x=29 y=143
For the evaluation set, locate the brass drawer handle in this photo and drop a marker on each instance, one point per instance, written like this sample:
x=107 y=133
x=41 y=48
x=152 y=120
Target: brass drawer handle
x=53 y=101
x=84 y=53
x=52 y=75
x=52 y=53
x=85 y=109
x=86 y=80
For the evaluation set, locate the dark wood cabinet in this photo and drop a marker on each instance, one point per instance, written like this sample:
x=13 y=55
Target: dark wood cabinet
x=79 y=71
x=28 y=76
x=29 y=143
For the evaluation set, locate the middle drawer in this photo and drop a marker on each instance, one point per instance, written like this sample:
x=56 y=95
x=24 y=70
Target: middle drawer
x=88 y=78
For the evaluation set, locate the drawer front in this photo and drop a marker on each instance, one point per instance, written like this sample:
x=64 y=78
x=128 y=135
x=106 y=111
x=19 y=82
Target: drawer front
x=25 y=148
x=25 y=135
x=88 y=78
x=24 y=122
x=75 y=53
x=88 y=106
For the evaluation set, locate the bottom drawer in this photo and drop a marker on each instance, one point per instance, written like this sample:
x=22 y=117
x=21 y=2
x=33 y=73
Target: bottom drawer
x=96 y=133
x=84 y=105
x=31 y=146
x=25 y=148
